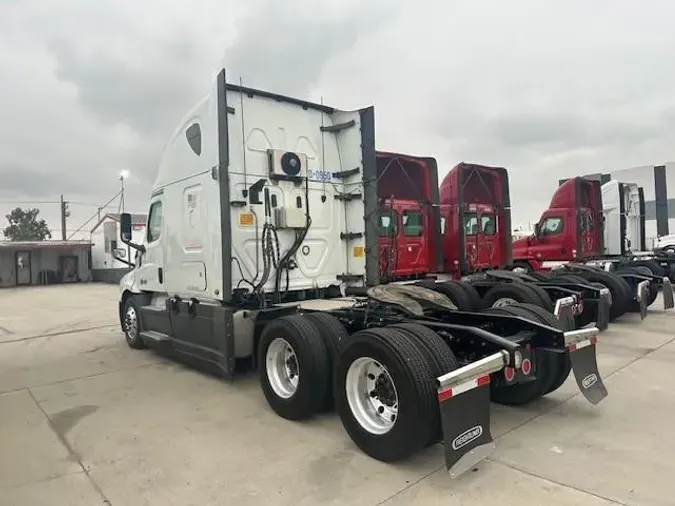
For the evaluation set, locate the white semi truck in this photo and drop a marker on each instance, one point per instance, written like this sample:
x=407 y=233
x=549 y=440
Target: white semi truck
x=623 y=208
x=261 y=243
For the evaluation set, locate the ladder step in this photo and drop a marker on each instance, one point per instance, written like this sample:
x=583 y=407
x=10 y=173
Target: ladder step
x=350 y=235
x=347 y=196
x=157 y=337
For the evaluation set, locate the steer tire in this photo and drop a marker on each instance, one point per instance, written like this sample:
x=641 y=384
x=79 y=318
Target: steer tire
x=438 y=354
x=333 y=333
x=418 y=414
x=313 y=364
x=133 y=337
x=459 y=297
x=517 y=291
x=547 y=370
x=564 y=361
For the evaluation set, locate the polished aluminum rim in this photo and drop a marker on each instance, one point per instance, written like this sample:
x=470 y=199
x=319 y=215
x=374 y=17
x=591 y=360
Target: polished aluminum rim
x=504 y=301
x=130 y=322
x=372 y=396
x=281 y=364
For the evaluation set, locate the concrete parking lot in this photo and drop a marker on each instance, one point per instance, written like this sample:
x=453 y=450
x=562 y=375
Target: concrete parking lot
x=86 y=421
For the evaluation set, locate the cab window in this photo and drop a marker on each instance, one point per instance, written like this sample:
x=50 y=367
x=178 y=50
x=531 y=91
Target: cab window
x=412 y=223
x=552 y=226
x=386 y=224
x=488 y=224
x=155 y=222
x=470 y=224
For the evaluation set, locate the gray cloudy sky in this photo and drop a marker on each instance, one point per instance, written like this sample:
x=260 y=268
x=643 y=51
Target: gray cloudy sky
x=545 y=88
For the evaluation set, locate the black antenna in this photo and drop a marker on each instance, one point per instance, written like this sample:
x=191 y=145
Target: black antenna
x=323 y=154
x=243 y=133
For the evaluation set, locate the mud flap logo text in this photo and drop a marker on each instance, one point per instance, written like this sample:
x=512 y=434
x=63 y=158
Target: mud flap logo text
x=589 y=381
x=467 y=437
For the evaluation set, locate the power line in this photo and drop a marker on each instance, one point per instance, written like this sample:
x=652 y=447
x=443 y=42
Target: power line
x=96 y=214
x=43 y=202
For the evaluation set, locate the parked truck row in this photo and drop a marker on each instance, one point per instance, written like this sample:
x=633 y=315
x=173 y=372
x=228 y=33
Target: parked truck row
x=278 y=235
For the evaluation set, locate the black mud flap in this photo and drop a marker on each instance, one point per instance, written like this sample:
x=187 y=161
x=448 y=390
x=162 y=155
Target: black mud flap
x=642 y=291
x=464 y=401
x=604 y=306
x=582 y=350
x=667 y=291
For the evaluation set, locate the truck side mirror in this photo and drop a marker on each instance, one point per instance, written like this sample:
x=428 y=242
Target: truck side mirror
x=537 y=230
x=125 y=227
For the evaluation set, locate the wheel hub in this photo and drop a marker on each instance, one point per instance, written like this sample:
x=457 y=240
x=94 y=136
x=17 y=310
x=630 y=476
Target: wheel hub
x=372 y=396
x=283 y=371
x=504 y=301
x=130 y=322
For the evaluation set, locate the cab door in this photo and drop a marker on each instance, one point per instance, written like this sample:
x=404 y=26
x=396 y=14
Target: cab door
x=554 y=242
x=151 y=270
x=387 y=240
x=414 y=243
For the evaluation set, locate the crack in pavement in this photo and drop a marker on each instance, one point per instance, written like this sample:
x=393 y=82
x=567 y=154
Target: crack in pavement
x=71 y=451
x=60 y=333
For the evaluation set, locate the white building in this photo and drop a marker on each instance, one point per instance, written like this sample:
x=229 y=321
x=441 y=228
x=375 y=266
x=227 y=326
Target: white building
x=106 y=245
x=659 y=198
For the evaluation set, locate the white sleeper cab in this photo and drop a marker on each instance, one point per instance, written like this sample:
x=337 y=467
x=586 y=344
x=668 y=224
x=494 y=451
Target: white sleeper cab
x=262 y=244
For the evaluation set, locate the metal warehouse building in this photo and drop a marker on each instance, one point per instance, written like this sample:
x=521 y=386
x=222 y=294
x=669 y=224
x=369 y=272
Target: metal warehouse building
x=44 y=262
x=659 y=207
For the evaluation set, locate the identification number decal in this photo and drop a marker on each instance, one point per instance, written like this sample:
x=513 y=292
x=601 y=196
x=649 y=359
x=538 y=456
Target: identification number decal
x=320 y=175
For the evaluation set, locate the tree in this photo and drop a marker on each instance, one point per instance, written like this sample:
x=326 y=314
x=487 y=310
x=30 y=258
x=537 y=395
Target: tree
x=25 y=226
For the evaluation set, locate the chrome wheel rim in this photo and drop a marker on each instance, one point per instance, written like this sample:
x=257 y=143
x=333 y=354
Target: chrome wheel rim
x=130 y=323
x=372 y=396
x=504 y=301
x=281 y=364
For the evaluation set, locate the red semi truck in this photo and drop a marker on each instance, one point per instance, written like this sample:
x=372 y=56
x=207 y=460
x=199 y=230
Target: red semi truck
x=461 y=230
x=570 y=234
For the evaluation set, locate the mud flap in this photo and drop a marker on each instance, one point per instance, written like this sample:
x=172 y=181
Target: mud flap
x=464 y=402
x=581 y=347
x=667 y=290
x=642 y=289
x=604 y=306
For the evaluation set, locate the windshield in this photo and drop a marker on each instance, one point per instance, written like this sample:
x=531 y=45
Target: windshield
x=488 y=224
x=470 y=224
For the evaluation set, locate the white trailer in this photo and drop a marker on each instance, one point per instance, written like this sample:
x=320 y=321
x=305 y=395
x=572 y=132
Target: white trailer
x=262 y=243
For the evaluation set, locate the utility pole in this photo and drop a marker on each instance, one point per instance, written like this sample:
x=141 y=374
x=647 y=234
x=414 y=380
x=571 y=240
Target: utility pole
x=64 y=213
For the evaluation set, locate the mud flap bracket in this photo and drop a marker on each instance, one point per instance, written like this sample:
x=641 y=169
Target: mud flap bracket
x=464 y=402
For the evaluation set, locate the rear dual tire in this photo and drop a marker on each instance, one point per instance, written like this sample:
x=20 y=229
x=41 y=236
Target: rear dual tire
x=618 y=288
x=517 y=292
x=552 y=368
x=369 y=401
